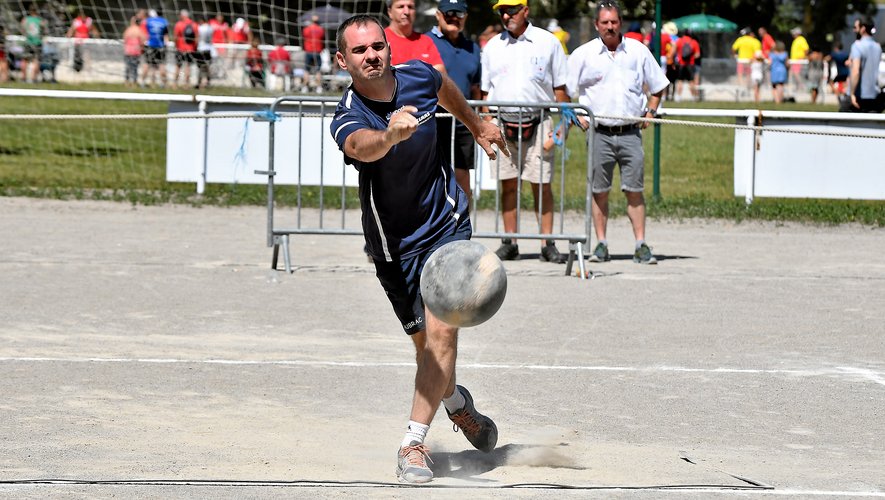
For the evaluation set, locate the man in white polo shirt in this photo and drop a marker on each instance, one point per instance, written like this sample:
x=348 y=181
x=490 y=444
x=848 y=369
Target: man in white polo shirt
x=609 y=75
x=524 y=64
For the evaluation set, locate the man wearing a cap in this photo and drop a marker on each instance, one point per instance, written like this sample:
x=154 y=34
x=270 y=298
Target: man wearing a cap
x=609 y=75
x=462 y=62
x=406 y=43
x=798 y=58
x=524 y=64
x=745 y=48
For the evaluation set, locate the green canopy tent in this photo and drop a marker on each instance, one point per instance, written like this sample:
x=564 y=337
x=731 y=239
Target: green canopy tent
x=703 y=23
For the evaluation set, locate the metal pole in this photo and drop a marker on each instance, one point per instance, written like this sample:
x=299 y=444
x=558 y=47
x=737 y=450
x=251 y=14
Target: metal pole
x=656 y=189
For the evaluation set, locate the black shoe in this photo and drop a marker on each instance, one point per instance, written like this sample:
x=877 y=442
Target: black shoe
x=479 y=429
x=549 y=253
x=508 y=250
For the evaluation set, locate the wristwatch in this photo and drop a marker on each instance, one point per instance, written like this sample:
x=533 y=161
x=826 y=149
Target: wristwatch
x=654 y=112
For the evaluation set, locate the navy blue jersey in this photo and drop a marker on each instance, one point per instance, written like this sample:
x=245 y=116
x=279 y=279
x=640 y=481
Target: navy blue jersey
x=409 y=198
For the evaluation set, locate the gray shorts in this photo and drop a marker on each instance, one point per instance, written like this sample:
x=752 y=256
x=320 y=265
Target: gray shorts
x=626 y=151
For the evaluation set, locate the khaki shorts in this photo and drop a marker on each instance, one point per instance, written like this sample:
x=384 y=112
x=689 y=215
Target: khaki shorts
x=533 y=165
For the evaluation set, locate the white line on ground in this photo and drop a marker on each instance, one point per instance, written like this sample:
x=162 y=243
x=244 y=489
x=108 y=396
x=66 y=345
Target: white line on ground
x=841 y=371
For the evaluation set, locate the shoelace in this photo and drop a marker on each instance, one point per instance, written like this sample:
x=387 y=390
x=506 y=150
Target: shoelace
x=466 y=422
x=408 y=452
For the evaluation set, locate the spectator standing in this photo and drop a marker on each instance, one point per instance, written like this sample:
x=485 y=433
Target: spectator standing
x=4 y=62
x=186 y=32
x=314 y=42
x=411 y=206
x=240 y=34
x=766 y=40
x=461 y=58
x=406 y=43
x=255 y=65
x=32 y=27
x=669 y=37
x=815 y=73
x=839 y=58
x=205 y=52
x=687 y=52
x=635 y=32
x=155 y=48
x=134 y=39
x=81 y=29
x=779 y=71
x=524 y=64
x=220 y=33
x=866 y=95
x=798 y=58
x=609 y=74
x=280 y=63
x=745 y=48
x=757 y=74
x=560 y=34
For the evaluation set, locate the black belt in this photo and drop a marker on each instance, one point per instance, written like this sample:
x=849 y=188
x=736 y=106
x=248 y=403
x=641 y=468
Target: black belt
x=617 y=129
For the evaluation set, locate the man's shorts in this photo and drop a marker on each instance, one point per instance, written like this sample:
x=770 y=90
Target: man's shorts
x=626 y=151
x=465 y=147
x=686 y=72
x=312 y=62
x=533 y=165
x=401 y=280
x=32 y=52
x=182 y=58
x=155 y=56
x=743 y=67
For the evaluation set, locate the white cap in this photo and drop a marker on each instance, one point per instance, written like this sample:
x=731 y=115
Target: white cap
x=553 y=26
x=152 y=13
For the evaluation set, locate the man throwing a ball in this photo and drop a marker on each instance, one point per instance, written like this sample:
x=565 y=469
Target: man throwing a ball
x=411 y=206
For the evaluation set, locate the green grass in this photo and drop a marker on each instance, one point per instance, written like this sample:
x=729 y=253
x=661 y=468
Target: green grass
x=124 y=160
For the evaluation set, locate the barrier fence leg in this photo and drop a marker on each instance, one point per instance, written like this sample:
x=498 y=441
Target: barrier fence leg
x=283 y=241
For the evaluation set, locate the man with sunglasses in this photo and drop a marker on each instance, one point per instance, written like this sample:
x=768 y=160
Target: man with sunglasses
x=462 y=61
x=609 y=74
x=406 y=43
x=524 y=64
x=411 y=206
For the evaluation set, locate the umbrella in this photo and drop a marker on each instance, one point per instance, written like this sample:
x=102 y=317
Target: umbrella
x=702 y=23
x=330 y=17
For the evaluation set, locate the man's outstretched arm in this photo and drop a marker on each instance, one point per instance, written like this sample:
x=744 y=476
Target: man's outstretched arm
x=484 y=132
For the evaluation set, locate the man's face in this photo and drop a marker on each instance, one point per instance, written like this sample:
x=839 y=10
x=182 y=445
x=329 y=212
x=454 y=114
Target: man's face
x=514 y=18
x=451 y=23
x=402 y=14
x=609 y=26
x=367 y=55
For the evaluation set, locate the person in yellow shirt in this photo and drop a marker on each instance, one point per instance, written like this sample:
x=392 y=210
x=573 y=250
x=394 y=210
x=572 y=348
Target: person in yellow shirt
x=798 y=58
x=560 y=34
x=745 y=48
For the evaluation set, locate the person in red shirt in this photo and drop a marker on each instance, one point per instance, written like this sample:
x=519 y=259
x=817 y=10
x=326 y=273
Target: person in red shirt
x=81 y=29
x=255 y=65
x=687 y=51
x=406 y=43
x=314 y=42
x=186 y=33
x=280 y=63
x=220 y=33
x=767 y=41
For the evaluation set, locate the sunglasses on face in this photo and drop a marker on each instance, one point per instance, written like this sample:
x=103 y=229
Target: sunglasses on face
x=510 y=11
x=455 y=13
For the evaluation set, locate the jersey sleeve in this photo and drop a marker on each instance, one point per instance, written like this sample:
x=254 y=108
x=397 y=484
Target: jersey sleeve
x=347 y=121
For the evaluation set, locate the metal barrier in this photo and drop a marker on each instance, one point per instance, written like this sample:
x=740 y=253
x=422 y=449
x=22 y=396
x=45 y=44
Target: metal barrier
x=578 y=238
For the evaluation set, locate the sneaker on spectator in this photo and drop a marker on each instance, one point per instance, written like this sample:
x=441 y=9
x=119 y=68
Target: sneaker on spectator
x=600 y=254
x=549 y=253
x=508 y=250
x=411 y=464
x=643 y=255
x=479 y=429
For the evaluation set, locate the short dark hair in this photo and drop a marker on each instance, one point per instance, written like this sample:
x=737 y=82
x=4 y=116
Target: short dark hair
x=358 y=20
x=608 y=5
x=867 y=23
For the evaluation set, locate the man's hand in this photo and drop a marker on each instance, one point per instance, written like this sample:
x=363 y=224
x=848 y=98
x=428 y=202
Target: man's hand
x=854 y=103
x=401 y=126
x=489 y=134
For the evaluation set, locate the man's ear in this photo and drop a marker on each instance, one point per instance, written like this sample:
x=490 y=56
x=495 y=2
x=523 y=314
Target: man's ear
x=339 y=58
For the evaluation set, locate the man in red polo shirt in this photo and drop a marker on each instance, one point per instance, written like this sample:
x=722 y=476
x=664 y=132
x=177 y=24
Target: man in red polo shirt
x=186 y=32
x=81 y=28
x=406 y=43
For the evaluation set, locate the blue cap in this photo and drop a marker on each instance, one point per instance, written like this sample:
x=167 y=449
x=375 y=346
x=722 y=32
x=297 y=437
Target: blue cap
x=450 y=5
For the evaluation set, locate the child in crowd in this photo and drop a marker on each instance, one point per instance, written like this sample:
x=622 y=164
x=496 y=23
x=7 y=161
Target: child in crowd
x=815 y=74
x=757 y=73
x=255 y=64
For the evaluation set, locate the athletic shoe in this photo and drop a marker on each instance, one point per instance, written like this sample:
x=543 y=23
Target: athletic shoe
x=643 y=255
x=411 y=464
x=508 y=250
x=600 y=254
x=549 y=253
x=477 y=428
